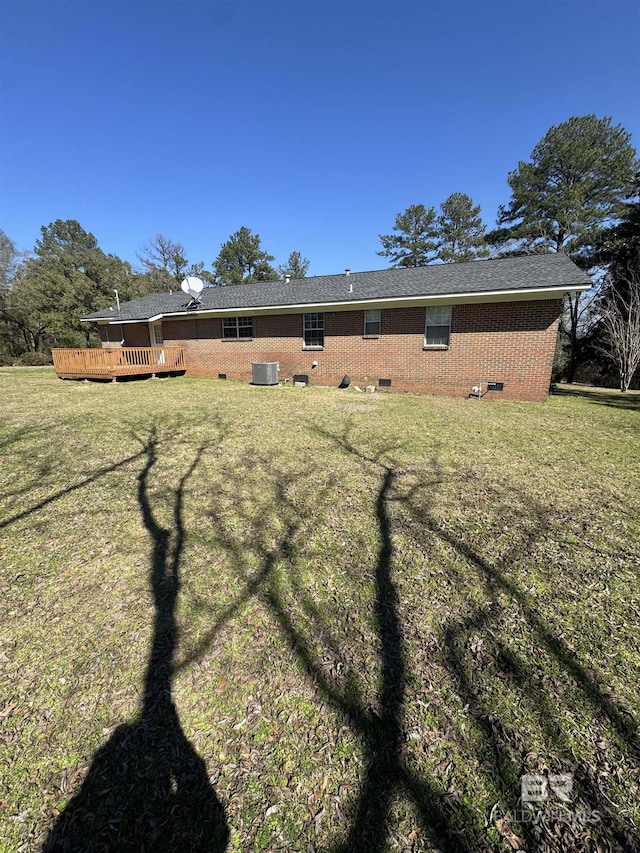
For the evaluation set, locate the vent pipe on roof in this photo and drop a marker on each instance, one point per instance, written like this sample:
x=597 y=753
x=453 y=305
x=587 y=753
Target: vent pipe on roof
x=287 y=278
x=347 y=271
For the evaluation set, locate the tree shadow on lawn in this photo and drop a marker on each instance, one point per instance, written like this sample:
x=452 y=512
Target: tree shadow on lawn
x=484 y=663
x=627 y=400
x=29 y=457
x=61 y=493
x=275 y=524
x=262 y=548
x=147 y=788
x=34 y=462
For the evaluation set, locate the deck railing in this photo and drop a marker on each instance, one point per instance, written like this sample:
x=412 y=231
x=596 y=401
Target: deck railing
x=118 y=361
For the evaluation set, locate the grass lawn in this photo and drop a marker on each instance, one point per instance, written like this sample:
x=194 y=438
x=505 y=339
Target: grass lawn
x=247 y=619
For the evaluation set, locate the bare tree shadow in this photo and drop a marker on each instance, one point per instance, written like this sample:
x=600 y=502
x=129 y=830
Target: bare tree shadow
x=96 y=475
x=277 y=523
x=147 y=788
x=504 y=749
x=28 y=450
x=476 y=650
x=263 y=547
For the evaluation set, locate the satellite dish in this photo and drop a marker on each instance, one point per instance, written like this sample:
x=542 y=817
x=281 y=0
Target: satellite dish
x=193 y=286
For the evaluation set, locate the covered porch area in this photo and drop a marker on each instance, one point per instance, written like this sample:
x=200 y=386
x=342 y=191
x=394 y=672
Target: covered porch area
x=114 y=362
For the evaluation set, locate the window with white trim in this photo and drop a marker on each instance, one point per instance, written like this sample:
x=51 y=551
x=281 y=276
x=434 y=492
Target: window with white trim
x=313 y=330
x=438 y=326
x=158 y=338
x=372 y=321
x=237 y=327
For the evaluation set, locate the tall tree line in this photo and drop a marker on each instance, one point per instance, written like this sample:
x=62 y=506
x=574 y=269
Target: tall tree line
x=67 y=276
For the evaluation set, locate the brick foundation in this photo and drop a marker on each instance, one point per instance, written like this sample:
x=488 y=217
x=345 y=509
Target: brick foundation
x=509 y=342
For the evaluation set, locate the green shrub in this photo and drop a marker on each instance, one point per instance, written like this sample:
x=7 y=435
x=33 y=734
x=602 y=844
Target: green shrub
x=35 y=359
x=6 y=360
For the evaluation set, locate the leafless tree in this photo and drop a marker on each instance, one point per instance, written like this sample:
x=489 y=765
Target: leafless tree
x=577 y=321
x=621 y=322
x=11 y=263
x=164 y=254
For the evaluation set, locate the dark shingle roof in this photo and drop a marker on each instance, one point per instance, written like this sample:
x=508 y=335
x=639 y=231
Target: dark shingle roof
x=531 y=272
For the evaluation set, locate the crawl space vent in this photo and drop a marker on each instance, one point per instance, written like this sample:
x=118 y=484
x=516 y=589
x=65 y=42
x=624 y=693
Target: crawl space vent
x=222 y=376
x=495 y=386
x=384 y=383
x=301 y=377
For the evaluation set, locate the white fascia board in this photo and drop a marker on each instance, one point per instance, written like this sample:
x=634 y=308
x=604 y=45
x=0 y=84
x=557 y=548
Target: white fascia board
x=358 y=304
x=107 y=321
x=390 y=302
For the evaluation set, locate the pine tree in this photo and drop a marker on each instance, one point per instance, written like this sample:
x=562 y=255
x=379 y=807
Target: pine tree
x=461 y=234
x=415 y=243
x=574 y=186
x=576 y=182
x=242 y=260
x=296 y=266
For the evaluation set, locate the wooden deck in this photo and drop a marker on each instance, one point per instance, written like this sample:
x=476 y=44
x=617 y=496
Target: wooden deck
x=112 y=362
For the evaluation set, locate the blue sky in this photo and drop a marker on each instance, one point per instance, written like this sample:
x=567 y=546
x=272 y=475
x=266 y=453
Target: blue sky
x=312 y=123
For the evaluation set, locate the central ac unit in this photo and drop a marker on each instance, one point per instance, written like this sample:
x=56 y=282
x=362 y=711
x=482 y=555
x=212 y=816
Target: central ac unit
x=265 y=372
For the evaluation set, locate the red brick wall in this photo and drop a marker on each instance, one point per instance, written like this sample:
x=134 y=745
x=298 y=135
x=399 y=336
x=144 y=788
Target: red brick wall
x=510 y=342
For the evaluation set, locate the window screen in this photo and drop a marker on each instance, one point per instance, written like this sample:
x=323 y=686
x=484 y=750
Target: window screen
x=237 y=327
x=314 y=330
x=372 y=322
x=438 y=328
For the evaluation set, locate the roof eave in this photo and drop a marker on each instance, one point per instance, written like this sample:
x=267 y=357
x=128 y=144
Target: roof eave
x=469 y=297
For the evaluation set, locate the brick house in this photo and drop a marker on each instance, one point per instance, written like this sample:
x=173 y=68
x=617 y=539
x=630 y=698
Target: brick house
x=438 y=329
